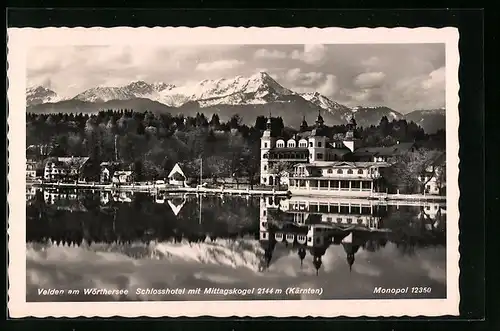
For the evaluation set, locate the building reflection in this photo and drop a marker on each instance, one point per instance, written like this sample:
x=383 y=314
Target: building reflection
x=312 y=224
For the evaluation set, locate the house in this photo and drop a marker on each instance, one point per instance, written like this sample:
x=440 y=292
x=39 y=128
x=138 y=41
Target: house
x=38 y=152
x=177 y=176
x=433 y=177
x=66 y=168
x=107 y=171
x=31 y=172
x=122 y=177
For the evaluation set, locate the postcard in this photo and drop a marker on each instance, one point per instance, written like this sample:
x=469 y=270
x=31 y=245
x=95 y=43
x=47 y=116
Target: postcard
x=233 y=172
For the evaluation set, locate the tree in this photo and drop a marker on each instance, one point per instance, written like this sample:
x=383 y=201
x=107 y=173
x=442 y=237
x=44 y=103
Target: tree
x=279 y=169
x=250 y=162
x=408 y=167
x=215 y=122
x=218 y=167
x=235 y=121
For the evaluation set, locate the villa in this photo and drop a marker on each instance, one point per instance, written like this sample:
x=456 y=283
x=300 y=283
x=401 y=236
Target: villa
x=65 y=168
x=313 y=163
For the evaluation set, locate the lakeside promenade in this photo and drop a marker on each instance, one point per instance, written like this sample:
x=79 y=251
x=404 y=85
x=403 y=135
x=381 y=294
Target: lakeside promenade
x=165 y=188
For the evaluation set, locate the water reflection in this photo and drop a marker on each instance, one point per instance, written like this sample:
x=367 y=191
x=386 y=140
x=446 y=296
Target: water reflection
x=345 y=246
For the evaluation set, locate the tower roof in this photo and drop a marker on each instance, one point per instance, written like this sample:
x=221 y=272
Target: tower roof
x=319 y=119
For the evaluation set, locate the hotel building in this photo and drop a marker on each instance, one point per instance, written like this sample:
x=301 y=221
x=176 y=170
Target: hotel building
x=311 y=162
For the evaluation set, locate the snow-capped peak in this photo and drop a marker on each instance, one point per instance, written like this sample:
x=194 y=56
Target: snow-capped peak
x=135 y=89
x=160 y=86
x=256 y=89
x=39 y=94
x=325 y=103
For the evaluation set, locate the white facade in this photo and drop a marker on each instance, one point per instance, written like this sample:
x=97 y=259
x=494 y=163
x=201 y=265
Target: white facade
x=30 y=170
x=431 y=182
x=336 y=178
x=122 y=177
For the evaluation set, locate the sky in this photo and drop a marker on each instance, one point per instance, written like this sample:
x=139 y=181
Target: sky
x=404 y=77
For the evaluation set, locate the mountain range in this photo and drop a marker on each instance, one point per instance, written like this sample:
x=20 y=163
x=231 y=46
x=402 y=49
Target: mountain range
x=249 y=97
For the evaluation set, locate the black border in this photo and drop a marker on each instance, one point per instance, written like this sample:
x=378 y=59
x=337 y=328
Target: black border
x=472 y=176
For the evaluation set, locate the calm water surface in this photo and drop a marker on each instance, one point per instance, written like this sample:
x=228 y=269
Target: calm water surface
x=132 y=242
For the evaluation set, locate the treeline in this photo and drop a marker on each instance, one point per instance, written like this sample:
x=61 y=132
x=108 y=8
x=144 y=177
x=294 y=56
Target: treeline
x=150 y=143
x=118 y=222
x=153 y=143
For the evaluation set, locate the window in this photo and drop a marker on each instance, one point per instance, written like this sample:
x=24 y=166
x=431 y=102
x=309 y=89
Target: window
x=311 y=144
x=349 y=220
x=428 y=207
x=428 y=187
x=319 y=156
x=265 y=167
x=264 y=179
x=330 y=171
x=319 y=143
x=360 y=221
x=265 y=145
x=340 y=171
x=328 y=219
x=339 y=219
x=310 y=155
x=309 y=239
x=360 y=171
x=349 y=171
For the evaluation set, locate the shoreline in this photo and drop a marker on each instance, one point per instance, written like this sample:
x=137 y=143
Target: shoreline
x=247 y=191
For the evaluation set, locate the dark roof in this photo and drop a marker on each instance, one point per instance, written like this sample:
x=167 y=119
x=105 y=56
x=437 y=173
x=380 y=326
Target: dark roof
x=339 y=151
x=384 y=151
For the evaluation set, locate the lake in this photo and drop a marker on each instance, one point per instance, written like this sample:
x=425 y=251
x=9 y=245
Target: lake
x=108 y=246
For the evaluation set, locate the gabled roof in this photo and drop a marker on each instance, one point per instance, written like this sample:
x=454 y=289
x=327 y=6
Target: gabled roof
x=176 y=169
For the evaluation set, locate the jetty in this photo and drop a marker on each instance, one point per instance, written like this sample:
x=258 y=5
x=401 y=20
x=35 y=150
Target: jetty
x=259 y=191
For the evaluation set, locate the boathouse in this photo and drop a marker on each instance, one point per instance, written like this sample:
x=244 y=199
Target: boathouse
x=176 y=176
